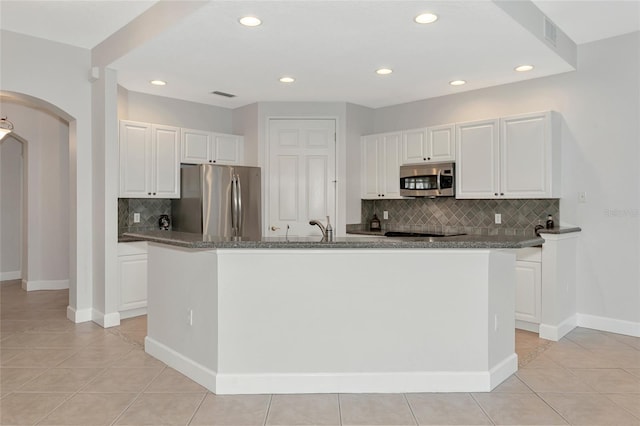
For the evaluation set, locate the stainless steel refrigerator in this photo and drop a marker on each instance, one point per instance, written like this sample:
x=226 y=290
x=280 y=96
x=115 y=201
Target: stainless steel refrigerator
x=220 y=201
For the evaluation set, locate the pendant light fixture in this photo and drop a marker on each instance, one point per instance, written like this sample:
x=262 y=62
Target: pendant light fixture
x=6 y=127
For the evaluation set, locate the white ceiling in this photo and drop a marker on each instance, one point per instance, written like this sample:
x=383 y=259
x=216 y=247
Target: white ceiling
x=332 y=48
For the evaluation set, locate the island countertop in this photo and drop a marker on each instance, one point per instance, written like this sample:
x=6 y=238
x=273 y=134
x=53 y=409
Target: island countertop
x=199 y=241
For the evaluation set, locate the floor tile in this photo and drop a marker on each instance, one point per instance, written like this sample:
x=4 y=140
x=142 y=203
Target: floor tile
x=232 y=410
x=512 y=385
x=61 y=380
x=542 y=361
x=27 y=340
x=13 y=378
x=138 y=358
x=171 y=381
x=591 y=339
x=577 y=357
x=89 y=409
x=308 y=409
x=28 y=408
x=609 y=380
x=589 y=409
x=446 y=409
x=632 y=341
x=619 y=358
x=122 y=380
x=94 y=357
x=628 y=401
x=518 y=409
x=553 y=380
x=39 y=358
x=375 y=409
x=634 y=371
x=161 y=409
x=7 y=354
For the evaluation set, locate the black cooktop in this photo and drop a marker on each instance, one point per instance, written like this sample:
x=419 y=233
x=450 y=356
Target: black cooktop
x=419 y=234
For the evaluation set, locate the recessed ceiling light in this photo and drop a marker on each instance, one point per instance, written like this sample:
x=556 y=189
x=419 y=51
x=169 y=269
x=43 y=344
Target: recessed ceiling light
x=384 y=71
x=287 y=80
x=158 y=82
x=426 y=18
x=457 y=82
x=250 y=21
x=523 y=68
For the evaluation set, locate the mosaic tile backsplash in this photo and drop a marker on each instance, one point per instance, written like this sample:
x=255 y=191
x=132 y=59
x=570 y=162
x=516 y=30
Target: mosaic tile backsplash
x=446 y=214
x=149 y=209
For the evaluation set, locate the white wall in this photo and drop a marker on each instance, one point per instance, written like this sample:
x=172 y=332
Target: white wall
x=173 y=112
x=10 y=209
x=599 y=105
x=245 y=122
x=53 y=76
x=47 y=192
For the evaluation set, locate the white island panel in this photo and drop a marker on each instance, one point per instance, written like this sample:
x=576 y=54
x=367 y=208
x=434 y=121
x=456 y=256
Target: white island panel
x=327 y=320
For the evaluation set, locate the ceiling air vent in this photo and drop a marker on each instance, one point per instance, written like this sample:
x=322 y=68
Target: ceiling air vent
x=550 y=31
x=226 y=95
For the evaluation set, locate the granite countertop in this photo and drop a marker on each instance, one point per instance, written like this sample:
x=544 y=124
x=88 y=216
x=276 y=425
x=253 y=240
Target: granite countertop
x=564 y=229
x=199 y=241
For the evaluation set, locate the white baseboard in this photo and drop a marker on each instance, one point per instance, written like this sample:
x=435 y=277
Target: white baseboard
x=130 y=313
x=611 y=325
x=45 y=285
x=12 y=275
x=528 y=326
x=105 y=320
x=557 y=332
x=397 y=382
x=193 y=370
x=78 y=316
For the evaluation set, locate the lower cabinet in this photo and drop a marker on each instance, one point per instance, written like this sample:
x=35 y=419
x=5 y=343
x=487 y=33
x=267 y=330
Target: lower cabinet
x=132 y=279
x=528 y=288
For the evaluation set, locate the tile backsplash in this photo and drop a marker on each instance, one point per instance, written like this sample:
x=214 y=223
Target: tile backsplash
x=150 y=210
x=519 y=217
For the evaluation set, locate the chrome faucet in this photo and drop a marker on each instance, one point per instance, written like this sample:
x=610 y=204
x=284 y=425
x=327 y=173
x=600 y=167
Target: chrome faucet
x=321 y=226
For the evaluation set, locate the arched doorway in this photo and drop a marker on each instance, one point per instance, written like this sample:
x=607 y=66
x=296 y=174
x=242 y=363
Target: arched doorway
x=12 y=209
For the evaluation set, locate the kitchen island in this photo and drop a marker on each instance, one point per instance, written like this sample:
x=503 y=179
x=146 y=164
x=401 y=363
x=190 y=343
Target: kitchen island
x=355 y=315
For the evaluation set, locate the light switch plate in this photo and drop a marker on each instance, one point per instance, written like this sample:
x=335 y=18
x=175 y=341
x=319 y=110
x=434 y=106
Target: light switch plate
x=136 y=218
x=385 y=215
x=498 y=219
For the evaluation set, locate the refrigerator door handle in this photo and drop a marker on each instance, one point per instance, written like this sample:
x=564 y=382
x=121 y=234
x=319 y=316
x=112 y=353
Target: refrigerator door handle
x=239 y=206
x=234 y=206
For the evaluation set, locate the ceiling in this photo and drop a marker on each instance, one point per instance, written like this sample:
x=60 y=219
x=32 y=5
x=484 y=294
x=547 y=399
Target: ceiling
x=331 y=48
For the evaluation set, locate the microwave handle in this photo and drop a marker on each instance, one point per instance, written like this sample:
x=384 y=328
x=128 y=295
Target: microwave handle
x=439 y=186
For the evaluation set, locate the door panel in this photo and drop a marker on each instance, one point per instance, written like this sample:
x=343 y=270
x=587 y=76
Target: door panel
x=301 y=182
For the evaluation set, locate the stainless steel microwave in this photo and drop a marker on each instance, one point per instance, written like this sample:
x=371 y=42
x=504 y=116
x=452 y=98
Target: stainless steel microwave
x=427 y=180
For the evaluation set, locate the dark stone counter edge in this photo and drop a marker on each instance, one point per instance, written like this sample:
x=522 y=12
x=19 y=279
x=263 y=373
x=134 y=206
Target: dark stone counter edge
x=195 y=241
x=556 y=230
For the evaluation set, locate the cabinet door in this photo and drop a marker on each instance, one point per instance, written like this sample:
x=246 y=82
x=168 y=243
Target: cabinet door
x=526 y=156
x=135 y=159
x=369 y=166
x=132 y=274
x=196 y=146
x=441 y=143
x=228 y=149
x=477 y=159
x=414 y=146
x=389 y=170
x=528 y=291
x=166 y=162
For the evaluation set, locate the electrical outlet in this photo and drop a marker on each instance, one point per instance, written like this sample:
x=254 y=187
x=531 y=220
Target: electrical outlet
x=136 y=218
x=582 y=197
x=190 y=317
x=495 y=322
x=385 y=215
x=498 y=219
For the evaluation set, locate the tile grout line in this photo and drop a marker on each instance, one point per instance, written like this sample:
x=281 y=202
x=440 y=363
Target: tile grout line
x=137 y=397
x=339 y=409
x=198 y=407
x=415 y=419
x=493 y=422
x=266 y=415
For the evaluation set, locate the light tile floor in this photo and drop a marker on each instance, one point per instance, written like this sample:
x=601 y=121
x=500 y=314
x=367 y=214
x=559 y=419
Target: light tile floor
x=54 y=372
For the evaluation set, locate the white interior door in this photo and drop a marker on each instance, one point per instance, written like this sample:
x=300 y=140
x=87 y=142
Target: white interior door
x=302 y=175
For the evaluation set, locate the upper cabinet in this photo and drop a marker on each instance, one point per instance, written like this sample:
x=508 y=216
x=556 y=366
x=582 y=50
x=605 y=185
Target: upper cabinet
x=200 y=147
x=510 y=157
x=381 y=159
x=429 y=144
x=149 y=160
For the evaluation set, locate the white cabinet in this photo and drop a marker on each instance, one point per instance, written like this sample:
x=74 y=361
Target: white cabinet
x=510 y=157
x=381 y=158
x=132 y=279
x=149 y=160
x=429 y=144
x=528 y=288
x=200 y=147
